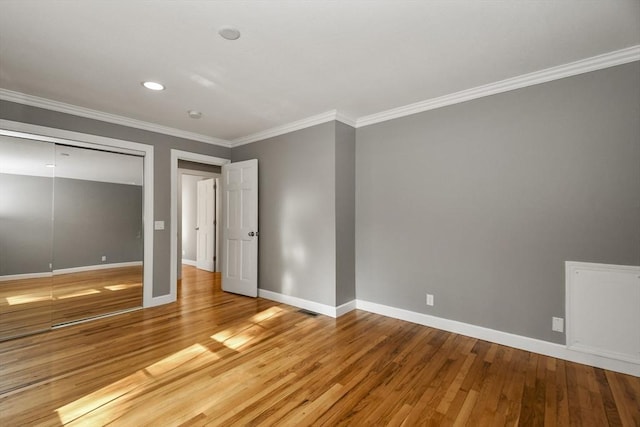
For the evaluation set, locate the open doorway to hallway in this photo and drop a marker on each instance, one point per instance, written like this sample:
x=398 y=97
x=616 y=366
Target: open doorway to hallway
x=194 y=161
x=198 y=216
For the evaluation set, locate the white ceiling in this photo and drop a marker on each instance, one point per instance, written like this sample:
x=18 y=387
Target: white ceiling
x=295 y=59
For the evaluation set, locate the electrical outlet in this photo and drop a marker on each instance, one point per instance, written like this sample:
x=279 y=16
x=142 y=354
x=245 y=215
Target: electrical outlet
x=557 y=324
x=104 y=257
x=429 y=299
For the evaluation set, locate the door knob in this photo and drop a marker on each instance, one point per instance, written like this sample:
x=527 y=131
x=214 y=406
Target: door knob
x=251 y=234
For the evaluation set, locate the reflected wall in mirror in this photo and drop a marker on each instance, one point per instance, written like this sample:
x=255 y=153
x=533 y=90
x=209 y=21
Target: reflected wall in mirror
x=26 y=235
x=98 y=242
x=71 y=234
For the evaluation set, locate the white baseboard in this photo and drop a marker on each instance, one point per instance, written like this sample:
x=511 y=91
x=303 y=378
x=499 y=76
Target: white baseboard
x=504 y=338
x=189 y=262
x=25 y=276
x=316 y=307
x=345 y=308
x=533 y=345
x=69 y=270
x=160 y=300
x=97 y=267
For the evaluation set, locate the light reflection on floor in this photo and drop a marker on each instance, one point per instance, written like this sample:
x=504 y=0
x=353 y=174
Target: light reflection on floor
x=178 y=365
x=134 y=384
x=32 y=298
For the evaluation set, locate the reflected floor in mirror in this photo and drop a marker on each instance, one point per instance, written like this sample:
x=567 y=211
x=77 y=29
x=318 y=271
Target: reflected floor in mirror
x=214 y=358
x=25 y=306
x=87 y=294
x=32 y=305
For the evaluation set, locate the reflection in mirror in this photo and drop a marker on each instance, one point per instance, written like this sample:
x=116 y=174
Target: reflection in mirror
x=26 y=233
x=98 y=242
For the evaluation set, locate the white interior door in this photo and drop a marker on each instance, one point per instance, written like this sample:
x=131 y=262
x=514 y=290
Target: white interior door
x=205 y=229
x=240 y=228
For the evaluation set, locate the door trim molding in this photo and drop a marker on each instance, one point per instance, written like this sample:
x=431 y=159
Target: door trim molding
x=192 y=157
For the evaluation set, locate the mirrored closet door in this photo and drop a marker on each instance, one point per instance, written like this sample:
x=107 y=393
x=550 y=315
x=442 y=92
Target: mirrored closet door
x=97 y=233
x=26 y=235
x=71 y=234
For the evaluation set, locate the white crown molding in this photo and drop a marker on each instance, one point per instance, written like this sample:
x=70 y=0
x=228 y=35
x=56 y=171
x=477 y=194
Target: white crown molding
x=325 y=117
x=594 y=63
x=346 y=120
x=599 y=62
x=35 y=101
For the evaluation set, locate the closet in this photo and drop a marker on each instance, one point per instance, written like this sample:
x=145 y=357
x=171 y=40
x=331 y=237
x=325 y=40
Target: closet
x=71 y=234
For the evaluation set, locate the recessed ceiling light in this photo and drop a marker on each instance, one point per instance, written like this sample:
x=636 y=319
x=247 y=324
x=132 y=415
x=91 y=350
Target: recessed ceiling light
x=50 y=165
x=194 y=114
x=153 y=85
x=229 y=33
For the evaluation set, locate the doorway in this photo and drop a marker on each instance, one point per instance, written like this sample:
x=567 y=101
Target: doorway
x=176 y=257
x=198 y=216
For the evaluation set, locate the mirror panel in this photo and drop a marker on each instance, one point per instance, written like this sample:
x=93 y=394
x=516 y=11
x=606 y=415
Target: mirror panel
x=98 y=233
x=71 y=234
x=26 y=235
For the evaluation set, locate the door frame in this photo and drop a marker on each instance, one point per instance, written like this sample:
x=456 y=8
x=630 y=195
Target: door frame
x=192 y=157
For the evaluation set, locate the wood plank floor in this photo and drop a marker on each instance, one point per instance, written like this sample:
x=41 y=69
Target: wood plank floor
x=92 y=293
x=218 y=359
x=32 y=305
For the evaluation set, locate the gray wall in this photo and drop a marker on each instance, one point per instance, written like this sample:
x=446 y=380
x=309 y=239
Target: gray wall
x=92 y=219
x=162 y=176
x=307 y=212
x=345 y=165
x=26 y=235
x=481 y=203
x=297 y=219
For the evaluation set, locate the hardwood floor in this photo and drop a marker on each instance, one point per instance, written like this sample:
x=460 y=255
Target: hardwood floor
x=25 y=306
x=219 y=359
x=31 y=305
x=92 y=293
